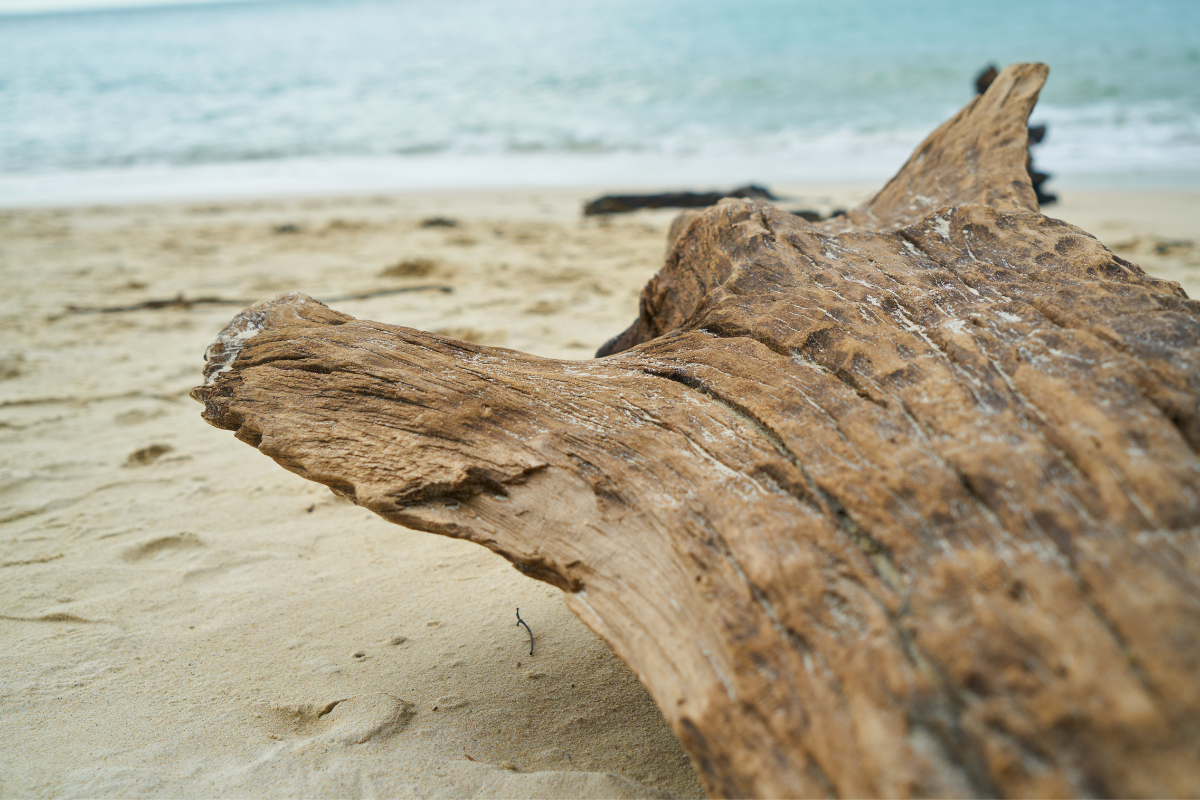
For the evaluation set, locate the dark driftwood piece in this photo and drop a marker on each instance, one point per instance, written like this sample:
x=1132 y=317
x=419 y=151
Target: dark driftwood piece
x=906 y=502
x=624 y=203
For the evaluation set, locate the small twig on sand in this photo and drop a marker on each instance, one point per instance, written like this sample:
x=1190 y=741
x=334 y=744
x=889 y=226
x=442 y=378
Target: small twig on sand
x=523 y=622
x=175 y=302
x=180 y=302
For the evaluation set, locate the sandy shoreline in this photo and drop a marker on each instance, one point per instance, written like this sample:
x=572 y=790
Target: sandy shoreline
x=185 y=618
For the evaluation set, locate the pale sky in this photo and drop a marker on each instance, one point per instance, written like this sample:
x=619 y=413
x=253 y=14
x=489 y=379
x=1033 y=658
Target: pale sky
x=24 y=6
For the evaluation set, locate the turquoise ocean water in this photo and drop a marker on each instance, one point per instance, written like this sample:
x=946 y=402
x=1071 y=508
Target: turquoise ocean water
x=376 y=94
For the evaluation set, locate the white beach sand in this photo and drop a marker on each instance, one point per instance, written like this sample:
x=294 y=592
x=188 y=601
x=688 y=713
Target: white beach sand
x=182 y=617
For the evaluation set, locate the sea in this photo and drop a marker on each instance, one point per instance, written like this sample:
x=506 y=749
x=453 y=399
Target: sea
x=315 y=96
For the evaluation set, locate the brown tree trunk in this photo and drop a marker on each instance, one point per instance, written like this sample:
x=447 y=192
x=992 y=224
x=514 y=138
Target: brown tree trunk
x=902 y=503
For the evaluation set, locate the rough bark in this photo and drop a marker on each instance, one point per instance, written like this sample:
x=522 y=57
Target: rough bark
x=906 y=502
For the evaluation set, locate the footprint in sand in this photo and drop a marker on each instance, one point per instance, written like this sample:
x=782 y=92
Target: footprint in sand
x=162 y=545
x=410 y=268
x=11 y=366
x=147 y=455
x=356 y=720
x=370 y=717
x=543 y=307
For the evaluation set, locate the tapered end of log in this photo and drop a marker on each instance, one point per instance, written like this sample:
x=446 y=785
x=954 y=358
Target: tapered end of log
x=976 y=158
x=979 y=157
x=900 y=504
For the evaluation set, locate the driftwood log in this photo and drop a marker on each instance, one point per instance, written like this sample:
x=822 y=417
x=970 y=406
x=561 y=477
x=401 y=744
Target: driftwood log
x=906 y=502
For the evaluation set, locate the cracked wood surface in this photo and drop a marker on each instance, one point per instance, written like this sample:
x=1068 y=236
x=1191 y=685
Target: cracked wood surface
x=906 y=502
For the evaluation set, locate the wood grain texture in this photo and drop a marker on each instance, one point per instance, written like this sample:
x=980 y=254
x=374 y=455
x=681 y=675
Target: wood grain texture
x=906 y=502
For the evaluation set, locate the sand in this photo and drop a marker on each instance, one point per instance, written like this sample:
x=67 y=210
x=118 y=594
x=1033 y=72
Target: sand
x=182 y=617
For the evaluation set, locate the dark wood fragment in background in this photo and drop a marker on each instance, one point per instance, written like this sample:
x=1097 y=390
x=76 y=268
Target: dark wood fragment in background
x=624 y=203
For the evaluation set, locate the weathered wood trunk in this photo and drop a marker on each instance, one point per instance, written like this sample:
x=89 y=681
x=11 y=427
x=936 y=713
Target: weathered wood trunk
x=902 y=503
